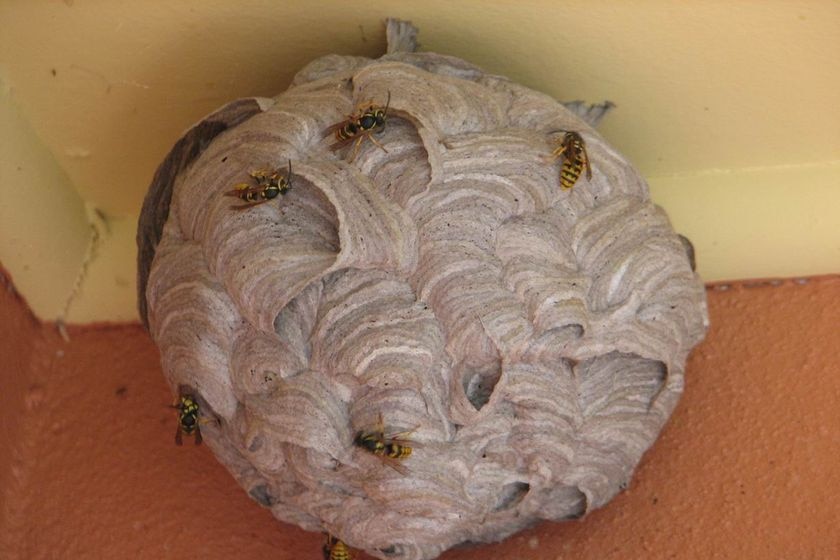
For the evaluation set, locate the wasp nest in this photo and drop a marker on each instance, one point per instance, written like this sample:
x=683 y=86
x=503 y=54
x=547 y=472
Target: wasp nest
x=529 y=340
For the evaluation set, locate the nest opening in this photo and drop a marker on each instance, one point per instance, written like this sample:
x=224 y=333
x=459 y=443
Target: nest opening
x=479 y=384
x=511 y=495
x=261 y=495
x=392 y=551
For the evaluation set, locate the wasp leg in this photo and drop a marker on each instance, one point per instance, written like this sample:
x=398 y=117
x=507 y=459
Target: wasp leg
x=554 y=156
x=362 y=107
x=327 y=548
x=178 y=439
x=356 y=147
x=372 y=139
x=559 y=151
x=197 y=435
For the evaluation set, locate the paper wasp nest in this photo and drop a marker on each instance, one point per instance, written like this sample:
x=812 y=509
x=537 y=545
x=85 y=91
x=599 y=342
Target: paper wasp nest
x=532 y=339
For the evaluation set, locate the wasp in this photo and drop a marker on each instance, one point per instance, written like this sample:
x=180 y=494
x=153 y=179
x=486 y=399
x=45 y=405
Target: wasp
x=268 y=185
x=335 y=549
x=360 y=125
x=187 y=419
x=572 y=149
x=391 y=448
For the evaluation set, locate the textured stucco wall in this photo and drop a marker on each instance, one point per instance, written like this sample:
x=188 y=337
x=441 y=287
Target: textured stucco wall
x=20 y=339
x=745 y=468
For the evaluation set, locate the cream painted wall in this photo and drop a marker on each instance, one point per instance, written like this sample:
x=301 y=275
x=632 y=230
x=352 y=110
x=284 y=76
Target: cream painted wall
x=730 y=109
x=44 y=232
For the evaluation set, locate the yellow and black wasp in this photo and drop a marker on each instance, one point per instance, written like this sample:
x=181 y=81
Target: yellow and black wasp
x=268 y=185
x=390 y=448
x=188 y=419
x=363 y=123
x=334 y=549
x=572 y=149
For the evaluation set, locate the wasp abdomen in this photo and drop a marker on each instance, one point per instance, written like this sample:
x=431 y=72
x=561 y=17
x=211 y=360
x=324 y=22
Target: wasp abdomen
x=187 y=418
x=335 y=549
x=397 y=451
x=575 y=159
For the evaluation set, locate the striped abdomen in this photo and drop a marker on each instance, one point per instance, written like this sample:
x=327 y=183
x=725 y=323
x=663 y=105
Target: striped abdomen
x=575 y=159
x=377 y=444
x=188 y=417
x=396 y=451
x=346 y=132
x=573 y=166
x=334 y=549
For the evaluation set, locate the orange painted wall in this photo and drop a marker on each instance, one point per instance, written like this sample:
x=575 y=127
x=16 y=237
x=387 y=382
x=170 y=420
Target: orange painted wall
x=748 y=467
x=20 y=335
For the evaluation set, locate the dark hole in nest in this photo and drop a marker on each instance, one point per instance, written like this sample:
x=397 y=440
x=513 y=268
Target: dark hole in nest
x=468 y=544
x=579 y=507
x=511 y=495
x=479 y=385
x=662 y=371
x=566 y=502
x=655 y=371
x=575 y=330
x=575 y=515
x=256 y=444
x=660 y=377
x=393 y=550
x=689 y=251
x=261 y=495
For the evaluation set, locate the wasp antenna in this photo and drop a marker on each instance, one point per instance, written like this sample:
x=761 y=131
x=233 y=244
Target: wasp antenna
x=387 y=103
x=289 y=178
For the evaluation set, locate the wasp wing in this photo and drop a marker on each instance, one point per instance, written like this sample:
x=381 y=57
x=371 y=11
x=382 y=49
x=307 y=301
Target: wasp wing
x=402 y=438
x=585 y=157
x=394 y=464
x=243 y=188
x=337 y=126
x=347 y=141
